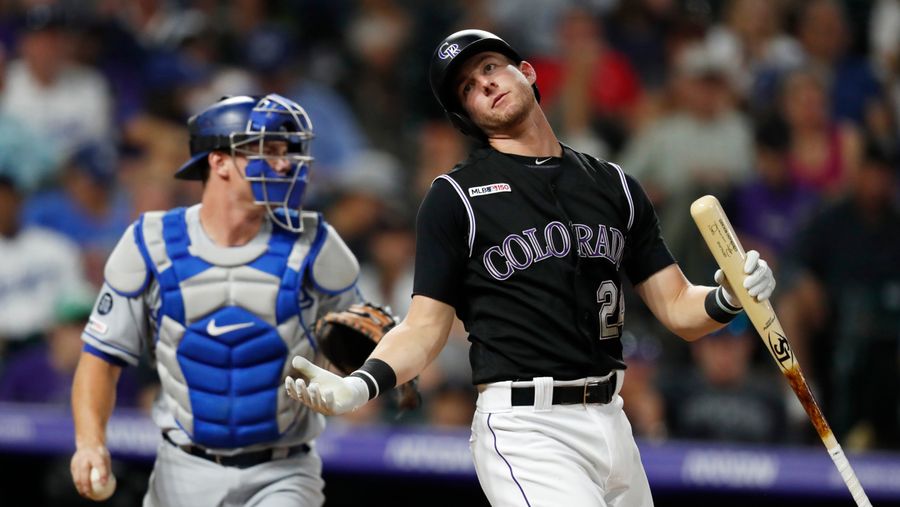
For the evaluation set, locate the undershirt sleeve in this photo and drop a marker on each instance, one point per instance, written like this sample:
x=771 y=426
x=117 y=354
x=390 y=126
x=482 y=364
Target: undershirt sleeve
x=442 y=228
x=645 y=250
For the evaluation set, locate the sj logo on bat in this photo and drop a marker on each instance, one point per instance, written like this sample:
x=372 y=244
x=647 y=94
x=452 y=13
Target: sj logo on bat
x=781 y=349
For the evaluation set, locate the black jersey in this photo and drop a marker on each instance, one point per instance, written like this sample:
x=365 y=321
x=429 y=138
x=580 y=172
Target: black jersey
x=528 y=251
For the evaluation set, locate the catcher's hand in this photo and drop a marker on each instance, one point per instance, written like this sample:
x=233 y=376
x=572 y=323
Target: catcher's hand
x=323 y=391
x=347 y=338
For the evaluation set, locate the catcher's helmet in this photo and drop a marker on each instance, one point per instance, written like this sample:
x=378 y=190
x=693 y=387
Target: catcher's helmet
x=243 y=125
x=446 y=61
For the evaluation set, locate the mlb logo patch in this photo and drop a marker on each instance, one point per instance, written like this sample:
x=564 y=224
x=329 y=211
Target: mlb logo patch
x=97 y=327
x=493 y=188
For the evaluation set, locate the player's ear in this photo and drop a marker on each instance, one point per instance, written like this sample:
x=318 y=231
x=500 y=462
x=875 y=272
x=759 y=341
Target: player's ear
x=218 y=164
x=528 y=71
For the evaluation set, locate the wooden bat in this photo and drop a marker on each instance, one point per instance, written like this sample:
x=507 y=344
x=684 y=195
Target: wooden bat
x=729 y=254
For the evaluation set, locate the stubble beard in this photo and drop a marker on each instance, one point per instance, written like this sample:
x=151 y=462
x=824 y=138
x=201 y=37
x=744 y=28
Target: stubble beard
x=502 y=121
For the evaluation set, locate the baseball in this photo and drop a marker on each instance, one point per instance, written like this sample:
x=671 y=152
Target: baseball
x=99 y=491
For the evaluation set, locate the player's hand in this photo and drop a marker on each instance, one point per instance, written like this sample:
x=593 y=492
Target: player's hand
x=759 y=282
x=323 y=391
x=84 y=459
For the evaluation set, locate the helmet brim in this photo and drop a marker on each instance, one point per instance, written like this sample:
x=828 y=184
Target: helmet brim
x=193 y=168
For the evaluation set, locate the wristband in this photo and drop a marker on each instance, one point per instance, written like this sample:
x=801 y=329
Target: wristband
x=378 y=376
x=718 y=308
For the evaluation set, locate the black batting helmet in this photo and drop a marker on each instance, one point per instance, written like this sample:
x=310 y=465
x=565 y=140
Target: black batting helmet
x=448 y=57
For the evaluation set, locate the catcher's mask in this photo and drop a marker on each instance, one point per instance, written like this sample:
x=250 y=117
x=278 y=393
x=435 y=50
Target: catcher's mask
x=274 y=134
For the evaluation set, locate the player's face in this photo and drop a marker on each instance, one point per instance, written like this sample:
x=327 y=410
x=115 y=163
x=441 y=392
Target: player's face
x=494 y=91
x=275 y=153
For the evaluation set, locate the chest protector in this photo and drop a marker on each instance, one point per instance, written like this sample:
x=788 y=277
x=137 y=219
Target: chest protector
x=225 y=331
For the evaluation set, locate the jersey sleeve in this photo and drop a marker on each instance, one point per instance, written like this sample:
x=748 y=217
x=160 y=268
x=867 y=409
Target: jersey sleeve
x=645 y=250
x=441 y=244
x=118 y=327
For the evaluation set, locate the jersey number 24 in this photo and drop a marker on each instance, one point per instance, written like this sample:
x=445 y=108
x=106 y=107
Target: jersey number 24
x=612 y=310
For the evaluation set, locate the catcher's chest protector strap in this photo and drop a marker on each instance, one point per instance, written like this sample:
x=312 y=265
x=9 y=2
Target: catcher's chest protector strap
x=222 y=364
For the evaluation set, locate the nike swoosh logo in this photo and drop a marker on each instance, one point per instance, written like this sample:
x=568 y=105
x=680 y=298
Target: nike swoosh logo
x=215 y=330
x=540 y=162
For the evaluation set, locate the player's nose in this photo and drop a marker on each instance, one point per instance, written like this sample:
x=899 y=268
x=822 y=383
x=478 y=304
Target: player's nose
x=280 y=165
x=486 y=84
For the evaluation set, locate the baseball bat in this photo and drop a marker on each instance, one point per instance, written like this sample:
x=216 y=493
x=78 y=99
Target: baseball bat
x=729 y=254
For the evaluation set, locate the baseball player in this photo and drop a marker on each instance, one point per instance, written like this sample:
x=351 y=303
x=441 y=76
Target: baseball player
x=222 y=295
x=527 y=241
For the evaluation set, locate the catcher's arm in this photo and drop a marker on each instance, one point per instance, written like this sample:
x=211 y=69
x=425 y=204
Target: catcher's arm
x=404 y=352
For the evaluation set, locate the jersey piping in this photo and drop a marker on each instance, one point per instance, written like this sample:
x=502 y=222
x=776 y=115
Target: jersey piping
x=462 y=195
x=627 y=194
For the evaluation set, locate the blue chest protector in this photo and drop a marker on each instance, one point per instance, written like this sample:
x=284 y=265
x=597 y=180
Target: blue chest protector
x=232 y=360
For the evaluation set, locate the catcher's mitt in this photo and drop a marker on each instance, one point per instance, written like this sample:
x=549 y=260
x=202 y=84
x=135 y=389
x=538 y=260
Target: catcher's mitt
x=348 y=337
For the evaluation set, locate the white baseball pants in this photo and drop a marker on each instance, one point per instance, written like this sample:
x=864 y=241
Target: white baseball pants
x=556 y=455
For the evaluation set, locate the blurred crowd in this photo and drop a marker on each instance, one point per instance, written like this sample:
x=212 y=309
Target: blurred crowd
x=787 y=110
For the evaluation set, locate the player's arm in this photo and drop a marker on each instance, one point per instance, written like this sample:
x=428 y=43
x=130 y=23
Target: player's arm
x=692 y=311
x=688 y=310
x=112 y=340
x=400 y=355
x=441 y=253
x=93 y=399
x=418 y=339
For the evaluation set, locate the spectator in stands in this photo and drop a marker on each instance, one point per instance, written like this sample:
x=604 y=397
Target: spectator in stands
x=751 y=37
x=438 y=147
x=380 y=84
x=643 y=401
x=705 y=145
x=844 y=297
x=387 y=277
x=825 y=38
x=64 y=103
x=767 y=210
x=362 y=198
x=36 y=266
x=451 y=405
x=642 y=32
x=722 y=398
x=705 y=139
x=824 y=152
x=587 y=87
x=53 y=361
x=89 y=208
x=30 y=167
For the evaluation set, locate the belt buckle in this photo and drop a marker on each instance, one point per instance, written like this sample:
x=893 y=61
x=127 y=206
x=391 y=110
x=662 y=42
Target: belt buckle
x=587 y=385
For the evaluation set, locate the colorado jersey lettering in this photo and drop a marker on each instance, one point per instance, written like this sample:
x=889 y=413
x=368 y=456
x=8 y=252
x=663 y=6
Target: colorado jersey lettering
x=569 y=229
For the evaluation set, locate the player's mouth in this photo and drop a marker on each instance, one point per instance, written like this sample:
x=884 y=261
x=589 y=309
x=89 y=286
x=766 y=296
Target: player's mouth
x=498 y=99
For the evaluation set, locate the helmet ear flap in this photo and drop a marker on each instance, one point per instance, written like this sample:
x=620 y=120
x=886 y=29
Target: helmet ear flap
x=465 y=125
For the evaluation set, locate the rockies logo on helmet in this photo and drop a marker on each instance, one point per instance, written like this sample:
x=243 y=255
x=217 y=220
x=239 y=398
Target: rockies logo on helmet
x=448 y=50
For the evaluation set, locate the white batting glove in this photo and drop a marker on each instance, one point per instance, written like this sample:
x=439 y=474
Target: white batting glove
x=759 y=282
x=324 y=391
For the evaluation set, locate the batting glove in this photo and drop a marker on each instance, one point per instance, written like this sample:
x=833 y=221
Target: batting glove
x=759 y=282
x=323 y=391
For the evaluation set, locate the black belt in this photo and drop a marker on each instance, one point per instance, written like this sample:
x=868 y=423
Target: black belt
x=595 y=391
x=243 y=460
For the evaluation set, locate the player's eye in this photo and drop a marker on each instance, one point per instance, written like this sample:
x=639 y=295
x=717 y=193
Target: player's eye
x=489 y=67
x=466 y=89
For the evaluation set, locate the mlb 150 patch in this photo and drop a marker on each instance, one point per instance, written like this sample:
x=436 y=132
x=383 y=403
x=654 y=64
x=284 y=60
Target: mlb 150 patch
x=493 y=188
